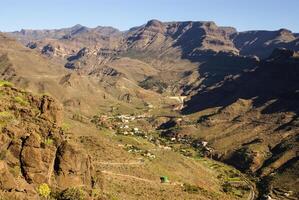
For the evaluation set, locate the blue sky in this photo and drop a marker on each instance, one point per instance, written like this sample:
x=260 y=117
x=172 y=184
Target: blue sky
x=123 y=14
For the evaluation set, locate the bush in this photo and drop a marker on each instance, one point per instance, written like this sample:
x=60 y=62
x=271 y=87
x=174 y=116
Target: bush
x=48 y=141
x=44 y=190
x=6 y=117
x=65 y=127
x=5 y=83
x=21 y=101
x=191 y=188
x=72 y=194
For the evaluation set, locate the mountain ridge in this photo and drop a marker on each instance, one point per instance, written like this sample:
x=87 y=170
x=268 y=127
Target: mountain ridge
x=240 y=41
x=199 y=84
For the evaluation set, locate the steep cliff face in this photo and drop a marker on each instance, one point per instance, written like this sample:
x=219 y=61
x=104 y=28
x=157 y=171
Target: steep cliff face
x=34 y=149
x=179 y=38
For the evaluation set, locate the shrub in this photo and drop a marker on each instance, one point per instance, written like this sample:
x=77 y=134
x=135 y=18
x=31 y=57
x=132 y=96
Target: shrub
x=191 y=188
x=6 y=116
x=65 y=127
x=72 y=194
x=44 y=190
x=21 y=101
x=5 y=83
x=48 y=141
x=96 y=193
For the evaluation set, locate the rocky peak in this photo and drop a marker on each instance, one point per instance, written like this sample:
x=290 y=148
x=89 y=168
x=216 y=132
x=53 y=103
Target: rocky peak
x=210 y=25
x=154 y=26
x=284 y=31
x=154 y=23
x=285 y=35
x=76 y=27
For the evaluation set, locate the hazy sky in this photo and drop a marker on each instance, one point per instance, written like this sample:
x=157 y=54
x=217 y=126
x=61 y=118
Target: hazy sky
x=123 y=14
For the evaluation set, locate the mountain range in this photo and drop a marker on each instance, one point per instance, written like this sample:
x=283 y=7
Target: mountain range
x=194 y=81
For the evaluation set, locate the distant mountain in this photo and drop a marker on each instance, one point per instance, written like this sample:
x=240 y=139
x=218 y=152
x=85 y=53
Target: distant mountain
x=107 y=84
x=238 y=90
x=44 y=156
x=28 y=34
x=262 y=43
x=188 y=39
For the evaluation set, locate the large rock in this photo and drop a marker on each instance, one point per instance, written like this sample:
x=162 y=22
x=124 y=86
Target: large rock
x=73 y=167
x=7 y=181
x=51 y=110
x=37 y=162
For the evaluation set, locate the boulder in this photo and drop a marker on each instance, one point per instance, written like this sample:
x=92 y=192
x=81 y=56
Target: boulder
x=72 y=166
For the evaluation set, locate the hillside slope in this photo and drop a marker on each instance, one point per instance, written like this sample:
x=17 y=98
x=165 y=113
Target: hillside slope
x=86 y=93
x=253 y=119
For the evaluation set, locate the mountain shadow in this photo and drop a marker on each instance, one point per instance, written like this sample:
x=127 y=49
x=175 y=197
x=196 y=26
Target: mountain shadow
x=273 y=79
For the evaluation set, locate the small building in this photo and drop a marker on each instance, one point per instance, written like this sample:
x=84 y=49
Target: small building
x=164 y=179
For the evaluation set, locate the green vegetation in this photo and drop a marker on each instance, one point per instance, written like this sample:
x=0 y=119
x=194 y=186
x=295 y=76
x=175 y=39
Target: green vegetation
x=72 y=194
x=6 y=117
x=65 y=127
x=20 y=100
x=235 y=190
x=191 y=188
x=96 y=193
x=44 y=190
x=153 y=83
x=48 y=141
x=5 y=83
x=233 y=182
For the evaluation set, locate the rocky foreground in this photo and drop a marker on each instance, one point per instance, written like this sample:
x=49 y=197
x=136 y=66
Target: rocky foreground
x=35 y=154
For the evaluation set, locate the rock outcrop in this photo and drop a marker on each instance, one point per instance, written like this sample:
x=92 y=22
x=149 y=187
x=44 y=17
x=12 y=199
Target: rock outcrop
x=34 y=149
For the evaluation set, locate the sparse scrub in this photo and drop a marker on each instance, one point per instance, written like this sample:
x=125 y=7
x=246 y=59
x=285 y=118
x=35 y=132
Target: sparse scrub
x=5 y=83
x=72 y=194
x=48 y=141
x=6 y=117
x=96 y=193
x=191 y=188
x=65 y=127
x=44 y=190
x=20 y=100
x=153 y=83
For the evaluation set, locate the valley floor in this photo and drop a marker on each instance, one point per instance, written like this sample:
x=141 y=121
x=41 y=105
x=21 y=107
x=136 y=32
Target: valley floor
x=129 y=174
